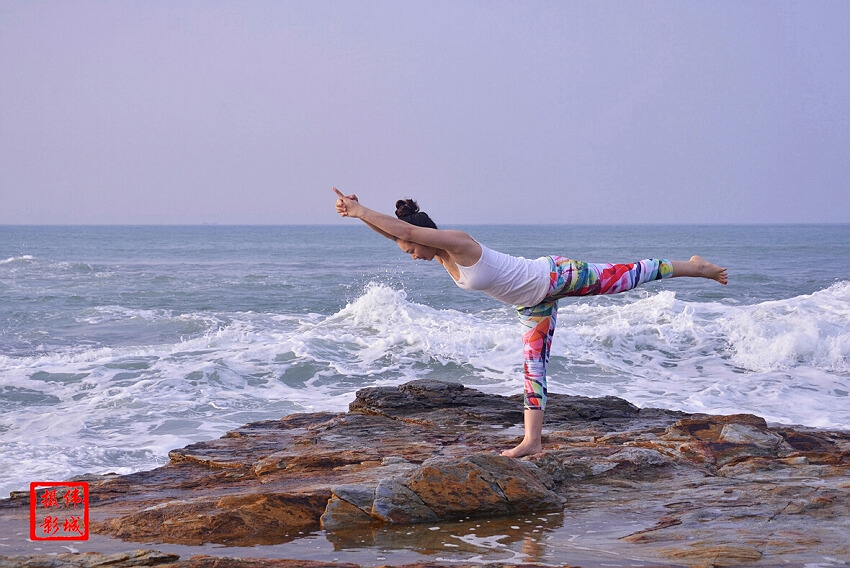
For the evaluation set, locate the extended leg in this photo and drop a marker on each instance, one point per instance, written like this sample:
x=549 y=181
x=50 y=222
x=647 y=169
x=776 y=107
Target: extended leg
x=577 y=278
x=698 y=267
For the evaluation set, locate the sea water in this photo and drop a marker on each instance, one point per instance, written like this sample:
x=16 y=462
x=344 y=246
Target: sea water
x=118 y=344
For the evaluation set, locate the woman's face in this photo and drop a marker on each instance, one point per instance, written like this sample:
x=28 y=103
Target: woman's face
x=417 y=251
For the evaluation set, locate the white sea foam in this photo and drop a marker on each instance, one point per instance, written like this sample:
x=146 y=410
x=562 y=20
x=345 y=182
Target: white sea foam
x=12 y=259
x=382 y=327
x=811 y=331
x=786 y=360
x=102 y=314
x=100 y=408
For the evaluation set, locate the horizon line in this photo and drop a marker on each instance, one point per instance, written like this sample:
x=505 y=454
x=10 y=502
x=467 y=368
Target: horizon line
x=519 y=224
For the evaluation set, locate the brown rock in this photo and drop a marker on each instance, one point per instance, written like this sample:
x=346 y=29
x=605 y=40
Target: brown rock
x=241 y=519
x=710 y=428
x=142 y=558
x=91 y=560
x=395 y=503
x=481 y=485
x=722 y=440
x=340 y=513
x=227 y=562
x=716 y=555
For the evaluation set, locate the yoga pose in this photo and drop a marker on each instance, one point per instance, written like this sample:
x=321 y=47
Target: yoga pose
x=534 y=286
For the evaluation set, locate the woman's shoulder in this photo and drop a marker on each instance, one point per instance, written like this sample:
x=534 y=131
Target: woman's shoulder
x=464 y=249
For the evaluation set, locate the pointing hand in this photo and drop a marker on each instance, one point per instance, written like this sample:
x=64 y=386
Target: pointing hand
x=347 y=205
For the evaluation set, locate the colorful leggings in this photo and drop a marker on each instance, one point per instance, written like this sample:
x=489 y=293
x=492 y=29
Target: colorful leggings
x=573 y=278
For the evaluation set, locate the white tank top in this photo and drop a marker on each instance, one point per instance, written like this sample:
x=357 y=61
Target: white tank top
x=511 y=279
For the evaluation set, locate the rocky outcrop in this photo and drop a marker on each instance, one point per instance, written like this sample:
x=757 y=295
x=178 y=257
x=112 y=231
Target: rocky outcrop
x=698 y=490
x=143 y=558
x=445 y=488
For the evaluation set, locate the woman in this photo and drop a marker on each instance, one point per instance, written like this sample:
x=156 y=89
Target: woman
x=534 y=286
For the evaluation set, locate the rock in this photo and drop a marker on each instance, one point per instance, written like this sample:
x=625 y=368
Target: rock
x=746 y=434
x=723 y=440
x=359 y=495
x=709 y=428
x=91 y=560
x=445 y=488
x=141 y=558
x=396 y=503
x=340 y=513
x=482 y=484
x=238 y=520
x=199 y=561
x=716 y=555
x=697 y=490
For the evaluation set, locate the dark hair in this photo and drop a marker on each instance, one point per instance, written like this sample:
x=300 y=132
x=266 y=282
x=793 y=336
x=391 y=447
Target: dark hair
x=408 y=210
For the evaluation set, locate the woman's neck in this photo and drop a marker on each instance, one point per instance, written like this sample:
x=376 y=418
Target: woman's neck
x=446 y=260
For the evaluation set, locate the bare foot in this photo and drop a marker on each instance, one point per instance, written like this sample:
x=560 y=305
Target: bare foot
x=710 y=270
x=524 y=449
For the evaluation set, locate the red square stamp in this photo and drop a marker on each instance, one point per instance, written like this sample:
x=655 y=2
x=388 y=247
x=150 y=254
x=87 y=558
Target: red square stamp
x=59 y=510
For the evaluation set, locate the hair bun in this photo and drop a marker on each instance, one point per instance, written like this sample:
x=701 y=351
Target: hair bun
x=405 y=207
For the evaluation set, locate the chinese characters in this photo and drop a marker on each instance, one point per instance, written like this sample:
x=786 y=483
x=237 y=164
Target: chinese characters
x=59 y=510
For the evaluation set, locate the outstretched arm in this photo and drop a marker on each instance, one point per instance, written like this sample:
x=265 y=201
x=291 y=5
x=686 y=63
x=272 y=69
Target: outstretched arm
x=456 y=242
x=379 y=231
x=370 y=225
x=350 y=206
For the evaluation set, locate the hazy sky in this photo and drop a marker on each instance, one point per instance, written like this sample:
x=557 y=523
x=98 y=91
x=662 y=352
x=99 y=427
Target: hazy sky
x=486 y=112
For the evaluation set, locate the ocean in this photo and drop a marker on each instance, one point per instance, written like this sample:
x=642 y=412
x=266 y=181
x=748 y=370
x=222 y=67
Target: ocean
x=118 y=344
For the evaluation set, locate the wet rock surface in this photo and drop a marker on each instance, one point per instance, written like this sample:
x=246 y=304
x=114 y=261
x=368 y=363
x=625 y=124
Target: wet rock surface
x=700 y=490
